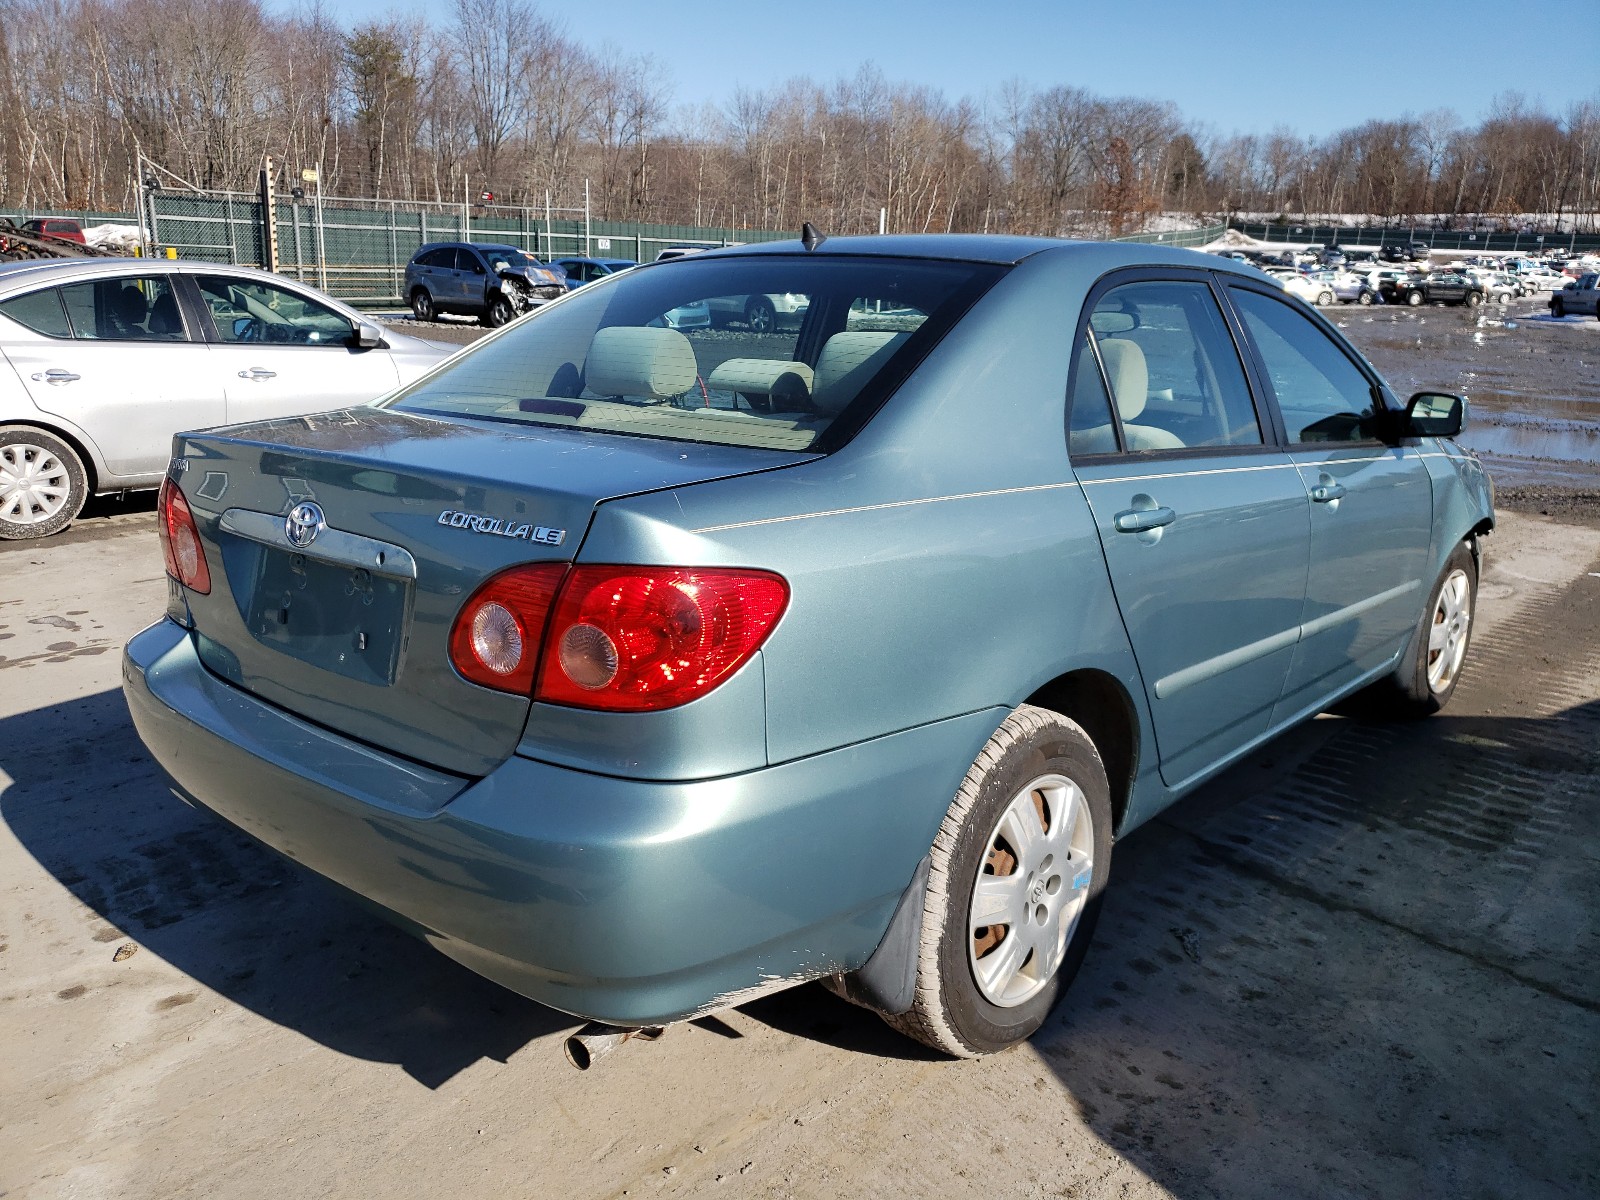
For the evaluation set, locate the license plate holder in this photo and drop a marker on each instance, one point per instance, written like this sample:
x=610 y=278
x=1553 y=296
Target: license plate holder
x=343 y=619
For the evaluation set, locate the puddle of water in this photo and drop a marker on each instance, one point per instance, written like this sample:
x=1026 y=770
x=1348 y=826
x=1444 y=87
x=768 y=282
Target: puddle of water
x=1575 y=444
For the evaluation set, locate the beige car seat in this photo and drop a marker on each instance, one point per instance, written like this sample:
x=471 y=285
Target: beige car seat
x=1130 y=387
x=847 y=361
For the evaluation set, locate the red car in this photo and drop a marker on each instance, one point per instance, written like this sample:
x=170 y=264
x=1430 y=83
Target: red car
x=57 y=227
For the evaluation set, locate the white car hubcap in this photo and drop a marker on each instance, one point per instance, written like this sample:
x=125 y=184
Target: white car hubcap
x=1030 y=891
x=1447 y=636
x=34 y=484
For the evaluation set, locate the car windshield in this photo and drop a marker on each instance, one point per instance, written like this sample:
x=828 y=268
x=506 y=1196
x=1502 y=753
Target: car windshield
x=509 y=254
x=769 y=351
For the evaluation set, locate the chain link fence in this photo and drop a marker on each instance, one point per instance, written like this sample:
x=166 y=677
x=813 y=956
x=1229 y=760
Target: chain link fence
x=357 y=250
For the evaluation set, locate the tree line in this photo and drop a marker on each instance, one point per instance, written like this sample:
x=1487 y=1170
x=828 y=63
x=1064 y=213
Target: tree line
x=499 y=98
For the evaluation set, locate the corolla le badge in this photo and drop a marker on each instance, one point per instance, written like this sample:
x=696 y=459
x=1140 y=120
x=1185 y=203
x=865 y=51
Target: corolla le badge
x=476 y=523
x=304 y=522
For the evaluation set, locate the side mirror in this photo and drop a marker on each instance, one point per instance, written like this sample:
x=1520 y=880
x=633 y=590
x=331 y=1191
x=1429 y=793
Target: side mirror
x=1435 y=414
x=368 y=336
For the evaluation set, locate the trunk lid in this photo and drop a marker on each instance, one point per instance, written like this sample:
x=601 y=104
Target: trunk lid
x=350 y=630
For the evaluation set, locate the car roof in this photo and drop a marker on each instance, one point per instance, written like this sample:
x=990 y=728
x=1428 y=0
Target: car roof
x=38 y=272
x=1002 y=249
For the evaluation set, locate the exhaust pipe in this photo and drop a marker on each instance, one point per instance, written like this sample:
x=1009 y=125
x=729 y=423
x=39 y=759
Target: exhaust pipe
x=596 y=1040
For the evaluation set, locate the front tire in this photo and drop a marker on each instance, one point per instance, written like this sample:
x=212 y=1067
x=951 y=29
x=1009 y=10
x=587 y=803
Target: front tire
x=1557 y=309
x=1364 y=298
x=1426 y=677
x=760 y=315
x=42 y=483
x=1474 y=299
x=1324 y=299
x=1014 y=885
x=501 y=312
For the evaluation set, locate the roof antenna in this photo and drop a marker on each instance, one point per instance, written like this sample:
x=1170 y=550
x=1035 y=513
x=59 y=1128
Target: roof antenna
x=810 y=238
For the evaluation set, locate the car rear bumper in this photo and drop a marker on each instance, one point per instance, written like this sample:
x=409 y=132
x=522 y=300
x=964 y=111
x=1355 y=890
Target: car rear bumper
x=612 y=899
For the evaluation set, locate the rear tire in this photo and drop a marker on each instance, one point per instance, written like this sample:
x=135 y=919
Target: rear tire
x=1427 y=674
x=1414 y=299
x=422 y=305
x=1364 y=298
x=1474 y=299
x=42 y=483
x=1028 y=837
x=1557 y=309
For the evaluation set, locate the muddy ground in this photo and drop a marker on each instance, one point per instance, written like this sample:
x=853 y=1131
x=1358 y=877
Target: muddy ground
x=1360 y=964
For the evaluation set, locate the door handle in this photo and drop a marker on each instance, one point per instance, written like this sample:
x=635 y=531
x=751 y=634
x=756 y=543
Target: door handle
x=56 y=375
x=1140 y=520
x=258 y=373
x=1325 y=493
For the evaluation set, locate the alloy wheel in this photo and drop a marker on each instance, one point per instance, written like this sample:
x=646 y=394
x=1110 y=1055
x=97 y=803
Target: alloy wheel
x=1447 y=634
x=1031 y=890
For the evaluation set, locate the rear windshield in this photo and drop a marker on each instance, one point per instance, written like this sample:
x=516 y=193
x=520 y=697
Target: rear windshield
x=767 y=352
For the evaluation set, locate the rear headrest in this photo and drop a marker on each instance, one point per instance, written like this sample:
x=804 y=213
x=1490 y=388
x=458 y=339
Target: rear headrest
x=639 y=361
x=788 y=383
x=847 y=361
x=1129 y=375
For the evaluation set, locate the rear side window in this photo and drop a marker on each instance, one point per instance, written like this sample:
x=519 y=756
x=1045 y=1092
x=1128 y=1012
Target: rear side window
x=125 y=309
x=438 y=258
x=1324 y=397
x=40 y=312
x=1174 y=372
x=769 y=351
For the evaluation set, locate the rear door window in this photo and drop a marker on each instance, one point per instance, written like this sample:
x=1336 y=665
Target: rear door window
x=124 y=309
x=1172 y=368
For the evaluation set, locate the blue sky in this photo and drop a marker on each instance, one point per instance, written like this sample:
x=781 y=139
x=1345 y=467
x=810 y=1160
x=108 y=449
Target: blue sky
x=1234 y=65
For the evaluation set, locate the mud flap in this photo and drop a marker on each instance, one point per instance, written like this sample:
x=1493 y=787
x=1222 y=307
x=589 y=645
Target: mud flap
x=887 y=982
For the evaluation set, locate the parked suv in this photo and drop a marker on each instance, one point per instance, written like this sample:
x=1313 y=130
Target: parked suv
x=488 y=280
x=1577 y=297
x=1441 y=287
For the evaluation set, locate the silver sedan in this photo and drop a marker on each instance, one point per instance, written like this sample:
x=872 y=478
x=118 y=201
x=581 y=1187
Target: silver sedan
x=109 y=359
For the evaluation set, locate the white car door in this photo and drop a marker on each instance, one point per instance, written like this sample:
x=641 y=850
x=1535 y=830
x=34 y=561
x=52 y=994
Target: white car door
x=114 y=357
x=280 y=352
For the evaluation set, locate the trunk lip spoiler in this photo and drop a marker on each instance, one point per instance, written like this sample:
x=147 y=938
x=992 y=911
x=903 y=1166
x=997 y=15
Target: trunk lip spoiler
x=336 y=546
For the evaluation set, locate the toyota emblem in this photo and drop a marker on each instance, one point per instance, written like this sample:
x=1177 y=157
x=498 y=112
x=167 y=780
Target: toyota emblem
x=303 y=523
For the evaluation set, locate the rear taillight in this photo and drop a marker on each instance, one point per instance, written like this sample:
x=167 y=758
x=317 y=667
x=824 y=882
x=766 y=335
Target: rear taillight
x=496 y=636
x=619 y=639
x=634 y=639
x=180 y=540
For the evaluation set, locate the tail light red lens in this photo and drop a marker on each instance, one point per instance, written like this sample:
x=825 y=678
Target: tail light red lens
x=180 y=540
x=637 y=639
x=618 y=639
x=495 y=640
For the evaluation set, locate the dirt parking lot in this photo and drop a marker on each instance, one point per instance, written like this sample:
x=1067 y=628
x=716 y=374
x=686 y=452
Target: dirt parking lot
x=1360 y=964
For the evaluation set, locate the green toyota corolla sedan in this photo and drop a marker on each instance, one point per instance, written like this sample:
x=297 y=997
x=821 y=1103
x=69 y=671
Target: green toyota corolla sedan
x=646 y=670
